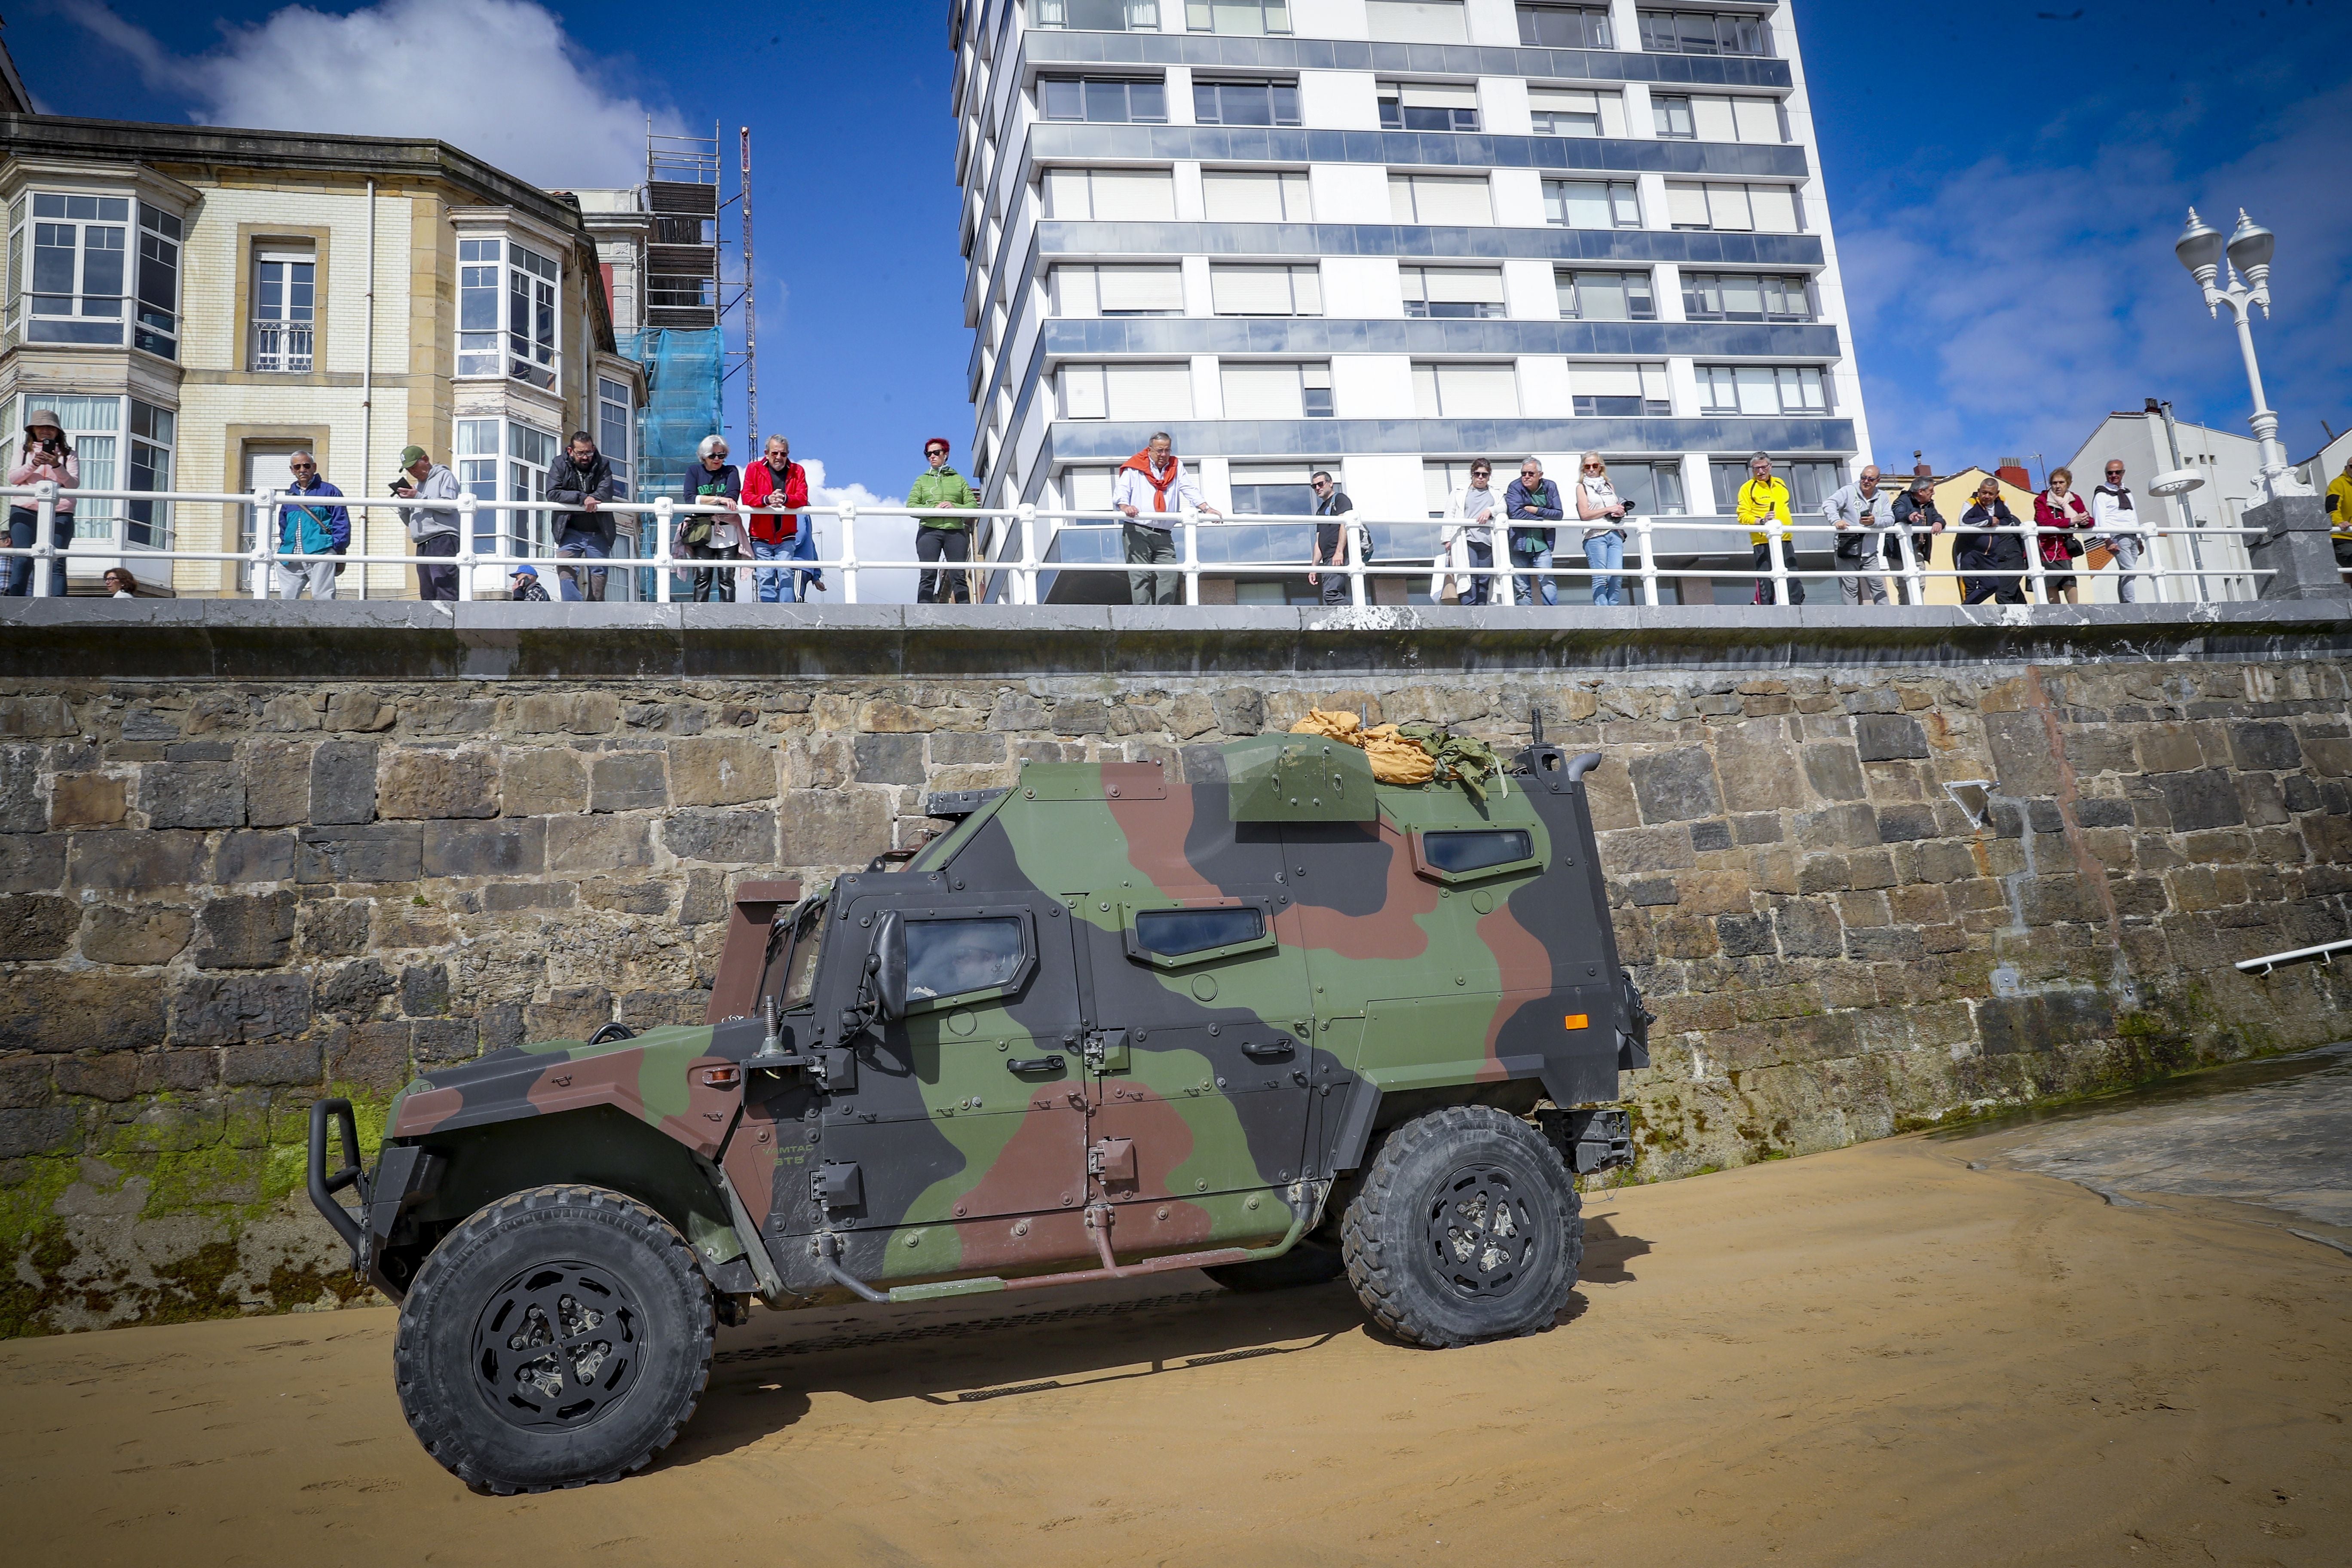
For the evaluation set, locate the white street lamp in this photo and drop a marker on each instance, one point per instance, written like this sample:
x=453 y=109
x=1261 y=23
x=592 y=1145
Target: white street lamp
x=2200 y=249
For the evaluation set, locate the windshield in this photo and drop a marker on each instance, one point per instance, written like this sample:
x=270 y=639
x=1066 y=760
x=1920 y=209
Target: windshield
x=807 y=941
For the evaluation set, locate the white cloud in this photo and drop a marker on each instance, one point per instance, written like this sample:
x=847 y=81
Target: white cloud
x=498 y=79
x=878 y=538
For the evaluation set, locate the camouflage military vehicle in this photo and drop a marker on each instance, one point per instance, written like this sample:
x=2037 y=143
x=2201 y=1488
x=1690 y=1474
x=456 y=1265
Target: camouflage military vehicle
x=1278 y=1022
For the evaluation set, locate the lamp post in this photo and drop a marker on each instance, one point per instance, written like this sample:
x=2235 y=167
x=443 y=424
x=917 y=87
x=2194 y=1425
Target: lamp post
x=2200 y=249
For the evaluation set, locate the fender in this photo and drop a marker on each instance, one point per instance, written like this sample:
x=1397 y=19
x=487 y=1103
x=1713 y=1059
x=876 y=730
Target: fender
x=684 y=1081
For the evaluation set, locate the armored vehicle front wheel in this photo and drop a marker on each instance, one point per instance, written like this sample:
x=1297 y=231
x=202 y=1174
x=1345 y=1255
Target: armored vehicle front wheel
x=1467 y=1227
x=559 y=1337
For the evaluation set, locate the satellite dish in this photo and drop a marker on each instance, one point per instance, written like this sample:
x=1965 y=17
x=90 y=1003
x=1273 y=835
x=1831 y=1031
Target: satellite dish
x=2178 y=482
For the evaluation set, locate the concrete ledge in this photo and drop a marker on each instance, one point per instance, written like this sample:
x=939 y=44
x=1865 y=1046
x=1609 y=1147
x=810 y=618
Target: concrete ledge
x=380 y=639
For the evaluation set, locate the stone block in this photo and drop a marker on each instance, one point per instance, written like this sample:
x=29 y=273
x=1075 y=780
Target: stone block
x=562 y=713
x=1808 y=928
x=1650 y=892
x=1634 y=849
x=627 y=780
x=1713 y=892
x=436 y=785
x=2099 y=749
x=959 y=749
x=659 y=1009
x=2168 y=749
x=506 y=897
x=1881 y=944
x=1906 y=824
x=542 y=781
x=32 y=862
x=572 y=1013
x=1833 y=771
x=2100 y=813
x=36 y=718
x=1079 y=716
x=245 y=932
x=246 y=855
x=1738 y=936
x=342 y=782
x=2264 y=799
x=1675 y=787
x=424 y=990
x=890 y=760
x=879 y=716
x=1838 y=827
x=2015 y=1026
x=1686 y=936
x=147 y=933
x=1240 y=710
x=1762 y=827
x=390 y=852
x=439 y=1040
x=224 y=1009
x=278 y=776
x=363 y=1056
x=501 y=1027
x=50 y=1129
x=2021 y=754
x=2328 y=839
x=35 y=927
x=1888 y=737
x=2331 y=756
x=1710 y=836
x=116 y=861
x=729 y=837
x=509 y=847
x=725 y=771
x=598 y=843
x=704 y=900
x=1823 y=874
x=1191 y=714
x=364 y=712
x=2205 y=799
x=87 y=800
x=627 y=898
x=336 y=927
x=830 y=827
x=353 y=990
x=272 y=1063
x=113 y=1078
x=2264 y=746
x=145 y=724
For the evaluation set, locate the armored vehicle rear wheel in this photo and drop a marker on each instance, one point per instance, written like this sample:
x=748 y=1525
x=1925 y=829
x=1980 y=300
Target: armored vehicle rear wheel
x=1467 y=1227
x=1311 y=1262
x=561 y=1336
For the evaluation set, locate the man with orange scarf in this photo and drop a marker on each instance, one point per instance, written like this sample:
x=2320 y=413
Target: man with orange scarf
x=1153 y=489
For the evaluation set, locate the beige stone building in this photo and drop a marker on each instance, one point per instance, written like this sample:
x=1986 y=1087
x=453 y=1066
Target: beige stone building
x=198 y=303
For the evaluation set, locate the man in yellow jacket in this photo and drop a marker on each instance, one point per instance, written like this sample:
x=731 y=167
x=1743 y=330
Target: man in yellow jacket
x=1761 y=499
x=2339 y=517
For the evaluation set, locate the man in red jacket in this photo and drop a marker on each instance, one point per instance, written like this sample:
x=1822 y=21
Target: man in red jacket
x=771 y=487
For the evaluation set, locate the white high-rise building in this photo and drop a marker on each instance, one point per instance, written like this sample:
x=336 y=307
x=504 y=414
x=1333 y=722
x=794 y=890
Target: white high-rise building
x=1386 y=236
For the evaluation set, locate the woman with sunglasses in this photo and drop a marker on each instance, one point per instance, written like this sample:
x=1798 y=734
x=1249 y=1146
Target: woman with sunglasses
x=1597 y=503
x=44 y=455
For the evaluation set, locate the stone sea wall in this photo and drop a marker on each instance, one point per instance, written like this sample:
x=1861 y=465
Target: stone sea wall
x=223 y=896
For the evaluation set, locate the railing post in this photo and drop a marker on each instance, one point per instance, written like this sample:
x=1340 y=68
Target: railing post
x=1915 y=586
x=45 y=533
x=1192 y=556
x=2152 y=556
x=467 y=504
x=1777 y=559
x=850 y=553
x=2036 y=570
x=1024 y=582
x=1649 y=561
x=663 y=505
x=1353 y=532
x=265 y=541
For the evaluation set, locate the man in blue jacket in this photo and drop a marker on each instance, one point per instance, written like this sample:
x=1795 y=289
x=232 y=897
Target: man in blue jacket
x=309 y=537
x=1530 y=502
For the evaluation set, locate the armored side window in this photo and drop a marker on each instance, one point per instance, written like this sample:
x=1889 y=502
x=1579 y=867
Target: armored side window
x=1476 y=851
x=1174 y=933
x=951 y=958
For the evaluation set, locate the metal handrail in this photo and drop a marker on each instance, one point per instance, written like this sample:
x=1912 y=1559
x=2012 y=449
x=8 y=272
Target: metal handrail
x=2326 y=952
x=1642 y=566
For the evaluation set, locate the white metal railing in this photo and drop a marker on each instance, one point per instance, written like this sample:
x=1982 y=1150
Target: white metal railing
x=281 y=345
x=1019 y=540
x=2326 y=952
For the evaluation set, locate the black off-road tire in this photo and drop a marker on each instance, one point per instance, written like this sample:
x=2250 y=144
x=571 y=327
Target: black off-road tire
x=1467 y=1227
x=1314 y=1261
x=558 y=1337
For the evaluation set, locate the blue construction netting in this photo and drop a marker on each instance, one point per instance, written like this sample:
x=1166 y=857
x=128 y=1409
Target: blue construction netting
x=683 y=372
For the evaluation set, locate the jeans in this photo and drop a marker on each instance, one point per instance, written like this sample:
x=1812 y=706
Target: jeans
x=1864 y=587
x=297 y=571
x=437 y=581
x=941 y=586
x=2127 y=547
x=776 y=581
x=1766 y=587
x=24 y=522
x=1333 y=583
x=1148 y=546
x=1606 y=554
x=1482 y=589
x=579 y=541
x=1524 y=586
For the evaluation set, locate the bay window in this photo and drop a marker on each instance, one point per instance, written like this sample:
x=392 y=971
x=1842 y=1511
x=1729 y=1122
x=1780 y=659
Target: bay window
x=504 y=460
x=520 y=307
x=78 y=274
x=615 y=429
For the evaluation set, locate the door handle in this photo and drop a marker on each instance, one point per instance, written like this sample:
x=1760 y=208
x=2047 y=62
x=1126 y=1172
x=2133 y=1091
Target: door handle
x=1035 y=1064
x=1266 y=1050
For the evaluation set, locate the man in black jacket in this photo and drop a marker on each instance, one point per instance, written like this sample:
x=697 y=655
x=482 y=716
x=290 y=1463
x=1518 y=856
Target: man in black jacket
x=581 y=477
x=1918 y=519
x=1979 y=556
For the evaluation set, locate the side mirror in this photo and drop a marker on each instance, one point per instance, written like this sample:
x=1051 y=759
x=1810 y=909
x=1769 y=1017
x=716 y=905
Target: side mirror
x=885 y=962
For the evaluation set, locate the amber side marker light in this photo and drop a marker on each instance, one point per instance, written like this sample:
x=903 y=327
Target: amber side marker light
x=1579 y=1020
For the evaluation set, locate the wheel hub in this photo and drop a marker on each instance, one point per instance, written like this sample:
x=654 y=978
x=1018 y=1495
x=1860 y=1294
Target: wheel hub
x=1483 y=1231
x=557 y=1345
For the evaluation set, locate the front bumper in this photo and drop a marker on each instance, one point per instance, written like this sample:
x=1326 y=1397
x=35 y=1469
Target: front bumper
x=405 y=1174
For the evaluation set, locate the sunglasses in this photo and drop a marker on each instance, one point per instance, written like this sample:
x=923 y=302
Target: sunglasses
x=304 y=468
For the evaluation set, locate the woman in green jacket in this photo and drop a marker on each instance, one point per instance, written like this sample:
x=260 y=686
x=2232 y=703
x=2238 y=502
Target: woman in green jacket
x=941 y=537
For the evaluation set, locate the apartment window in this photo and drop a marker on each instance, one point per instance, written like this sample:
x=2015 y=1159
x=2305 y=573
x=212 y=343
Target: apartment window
x=1565 y=113
x=519 y=308
x=1245 y=18
x=1651 y=490
x=285 y=309
x=1704 y=33
x=1096 y=16
x=1405 y=106
x=1810 y=484
x=616 y=427
x=1104 y=100
x=157 y=328
x=1746 y=297
x=1246 y=102
x=1465 y=391
x=1619 y=392
x=78 y=269
x=1453 y=293
x=1127 y=392
x=1761 y=390
x=1265 y=291
x=1277 y=391
x=1235 y=195
x=1760 y=209
x=1593 y=203
x=1110 y=195
x=147 y=524
x=1565 y=28
x=1274 y=489
x=1118 y=291
x=1440 y=199
x=1605 y=297
x=1417 y=21
x=1716 y=118
x=1672 y=118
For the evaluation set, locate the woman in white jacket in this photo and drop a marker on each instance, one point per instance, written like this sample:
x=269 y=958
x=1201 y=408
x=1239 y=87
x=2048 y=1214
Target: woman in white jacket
x=1468 y=538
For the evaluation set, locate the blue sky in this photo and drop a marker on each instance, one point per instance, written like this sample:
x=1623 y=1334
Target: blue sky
x=2006 y=187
